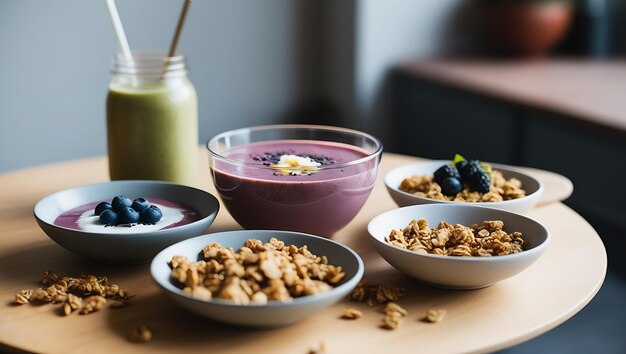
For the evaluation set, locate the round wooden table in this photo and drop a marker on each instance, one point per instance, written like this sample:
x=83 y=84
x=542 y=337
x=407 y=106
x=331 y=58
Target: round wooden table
x=543 y=296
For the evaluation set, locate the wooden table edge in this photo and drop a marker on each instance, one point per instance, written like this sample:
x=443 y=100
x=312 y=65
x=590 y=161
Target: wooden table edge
x=537 y=330
x=540 y=330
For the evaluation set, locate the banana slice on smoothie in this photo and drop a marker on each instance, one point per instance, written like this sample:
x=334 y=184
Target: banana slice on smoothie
x=295 y=165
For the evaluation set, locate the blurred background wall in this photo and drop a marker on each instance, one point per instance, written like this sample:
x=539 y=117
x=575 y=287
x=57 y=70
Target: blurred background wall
x=247 y=61
x=252 y=62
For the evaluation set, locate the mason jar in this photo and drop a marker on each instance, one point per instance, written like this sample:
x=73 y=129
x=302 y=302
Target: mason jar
x=152 y=119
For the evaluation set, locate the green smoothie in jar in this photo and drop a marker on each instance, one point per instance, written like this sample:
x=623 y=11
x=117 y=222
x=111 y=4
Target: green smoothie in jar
x=152 y=120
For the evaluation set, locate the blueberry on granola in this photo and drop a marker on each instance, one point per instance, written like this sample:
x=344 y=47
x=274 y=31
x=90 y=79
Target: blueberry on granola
x=479 y=182
x=444 y=172
x=473 y=173
x=468 y=168
x=451 y=186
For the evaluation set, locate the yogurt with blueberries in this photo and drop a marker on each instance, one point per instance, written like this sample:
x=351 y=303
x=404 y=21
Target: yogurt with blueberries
x=124 y=216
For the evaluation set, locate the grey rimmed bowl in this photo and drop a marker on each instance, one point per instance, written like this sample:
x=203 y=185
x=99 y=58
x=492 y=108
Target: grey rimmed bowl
x=123 y=248
x=457 y=272
x=533 y=186
x=274 y=313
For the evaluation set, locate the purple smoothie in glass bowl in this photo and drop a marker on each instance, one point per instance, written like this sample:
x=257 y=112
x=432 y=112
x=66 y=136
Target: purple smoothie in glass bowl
x=305 y=178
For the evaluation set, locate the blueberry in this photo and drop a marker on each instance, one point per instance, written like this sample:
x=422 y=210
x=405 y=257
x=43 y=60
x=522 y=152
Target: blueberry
x=479 y=182
x=128 y=215
x=151 y=215
x=109 y=217
x=470 y=170
x=461 y=165
x=102 y=207
x=140 y=204
x=444 y=172
x=451 y=186
x=120 y=202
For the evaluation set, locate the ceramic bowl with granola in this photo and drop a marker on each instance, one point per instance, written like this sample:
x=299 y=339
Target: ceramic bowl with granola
x=459 y=246
x=496 y=186
x=257 y=278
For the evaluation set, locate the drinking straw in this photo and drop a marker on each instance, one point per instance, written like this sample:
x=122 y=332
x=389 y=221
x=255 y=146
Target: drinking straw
x=179 y=28
x=119 y=32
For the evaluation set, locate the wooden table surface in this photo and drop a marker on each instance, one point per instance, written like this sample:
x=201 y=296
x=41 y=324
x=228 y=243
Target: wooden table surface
x=552 y=290
x=588 y=90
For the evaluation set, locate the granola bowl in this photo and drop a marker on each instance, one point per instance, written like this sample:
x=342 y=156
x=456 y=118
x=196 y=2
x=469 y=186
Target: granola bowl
x=394 y=178
x=454 y=271
x=252 y=314
x=67 y=217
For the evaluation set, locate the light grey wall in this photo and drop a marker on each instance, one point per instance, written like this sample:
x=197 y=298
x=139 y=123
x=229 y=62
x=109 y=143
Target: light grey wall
x=389 y=32
x=364 y=39
x=245 y=57
x=252 y=62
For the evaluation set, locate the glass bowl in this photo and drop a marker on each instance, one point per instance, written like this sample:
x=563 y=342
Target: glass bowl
x=319 y=196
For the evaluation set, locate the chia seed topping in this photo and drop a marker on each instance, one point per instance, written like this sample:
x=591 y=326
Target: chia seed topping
x=270 y=158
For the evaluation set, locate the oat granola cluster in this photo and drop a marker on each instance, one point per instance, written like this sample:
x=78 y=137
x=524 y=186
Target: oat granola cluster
x=372 y=292
x=490 y=239
x=351 y=313
x=435 y=315
x=84 y=293
x=140 y=334
x=501 y=189
x=256 y=273
x=393 y=315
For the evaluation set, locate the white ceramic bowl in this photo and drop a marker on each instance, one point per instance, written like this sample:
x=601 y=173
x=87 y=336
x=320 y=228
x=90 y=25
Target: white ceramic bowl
x=533 y=187
x=273 y=313
x=457 y=272
x=124 y=247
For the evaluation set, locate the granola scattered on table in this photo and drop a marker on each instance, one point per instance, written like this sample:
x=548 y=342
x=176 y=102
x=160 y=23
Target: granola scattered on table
x=371 y=292
x=83 y=293
x=486 y=240
x=255 y=274
x=435 y=315
x=140 y=334
x=393 y=315
x=351 y=313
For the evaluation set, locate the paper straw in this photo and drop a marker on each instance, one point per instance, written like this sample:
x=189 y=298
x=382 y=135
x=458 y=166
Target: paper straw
x=179 y=28
x=119 y=31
